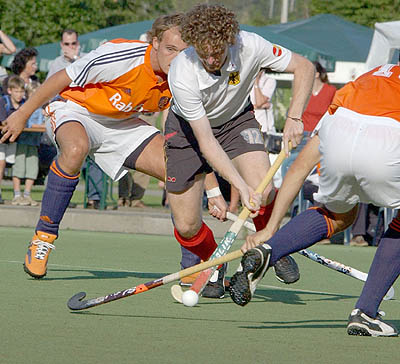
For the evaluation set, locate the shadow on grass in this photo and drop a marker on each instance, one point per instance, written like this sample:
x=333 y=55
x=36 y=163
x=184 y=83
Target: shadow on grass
x=99 y=274
x=297 y=324
x=292 y=296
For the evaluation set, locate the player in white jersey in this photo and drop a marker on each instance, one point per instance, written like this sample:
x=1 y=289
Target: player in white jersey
x=211 y=122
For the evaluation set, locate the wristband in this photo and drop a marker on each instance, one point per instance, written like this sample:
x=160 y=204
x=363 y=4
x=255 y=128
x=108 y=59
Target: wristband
x=214 y=192
x=295 y=119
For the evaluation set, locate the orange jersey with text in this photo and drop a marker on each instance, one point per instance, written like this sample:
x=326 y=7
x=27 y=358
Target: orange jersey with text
x=375 y=93
x=116 y=80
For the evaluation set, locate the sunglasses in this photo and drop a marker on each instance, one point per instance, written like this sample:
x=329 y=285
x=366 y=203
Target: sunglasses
x=70 y=44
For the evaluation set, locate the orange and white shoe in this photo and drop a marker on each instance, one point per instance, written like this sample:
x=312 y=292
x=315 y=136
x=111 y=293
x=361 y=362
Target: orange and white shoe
x=38 y=254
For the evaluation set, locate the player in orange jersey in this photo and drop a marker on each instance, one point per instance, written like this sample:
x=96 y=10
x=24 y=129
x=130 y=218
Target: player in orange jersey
x=357 y=143
x=101 y=97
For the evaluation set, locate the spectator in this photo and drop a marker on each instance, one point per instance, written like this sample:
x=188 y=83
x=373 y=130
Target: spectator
x=365 y=227
x=24 y=65
x=94 y=176
x=26 y=164
x=10 y=103
x=260 y=96
x=6 y=47
x=70 y=49
x=320 y=99
x=131 y=189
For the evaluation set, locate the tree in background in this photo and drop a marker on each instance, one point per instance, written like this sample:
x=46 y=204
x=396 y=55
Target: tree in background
x=363 y=12
x=38 y=22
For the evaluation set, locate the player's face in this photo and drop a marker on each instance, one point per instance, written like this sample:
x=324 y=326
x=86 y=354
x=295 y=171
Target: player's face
x=168 y=48
x=213 y=60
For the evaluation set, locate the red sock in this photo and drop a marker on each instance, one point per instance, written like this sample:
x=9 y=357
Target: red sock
x=202 y=244
x=260 y=222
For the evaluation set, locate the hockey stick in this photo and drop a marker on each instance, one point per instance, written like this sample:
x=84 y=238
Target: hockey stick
x=76 y=302
x=339 y=267
x=230 y=236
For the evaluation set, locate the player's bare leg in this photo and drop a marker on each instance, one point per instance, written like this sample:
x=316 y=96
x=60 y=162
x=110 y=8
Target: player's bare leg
x=62 y=180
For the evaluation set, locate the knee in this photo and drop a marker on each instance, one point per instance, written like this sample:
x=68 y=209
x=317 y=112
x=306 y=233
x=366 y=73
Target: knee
x=187 y=229
x=342 y=221
x=73 y=156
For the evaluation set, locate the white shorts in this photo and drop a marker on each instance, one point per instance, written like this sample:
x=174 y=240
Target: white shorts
x=111 y=140
x=360 y=161
x=7 y=152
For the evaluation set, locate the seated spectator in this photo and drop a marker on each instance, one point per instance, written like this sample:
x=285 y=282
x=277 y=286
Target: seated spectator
x=26 y=164
x=9 y=103
x=24 y=65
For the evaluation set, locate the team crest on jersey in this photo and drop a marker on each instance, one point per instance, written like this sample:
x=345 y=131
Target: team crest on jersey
x=276 y=50
x=127 y=91
x=163 y=102
x=234 y=78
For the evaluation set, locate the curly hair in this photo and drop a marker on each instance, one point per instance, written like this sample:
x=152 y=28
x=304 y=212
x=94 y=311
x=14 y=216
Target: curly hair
x=22 y=58
x=209 y=26
x=162 y=24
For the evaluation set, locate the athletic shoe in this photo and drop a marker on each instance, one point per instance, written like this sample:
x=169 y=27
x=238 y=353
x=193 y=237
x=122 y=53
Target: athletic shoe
x=363 y=325
x=287 y=270
x=30 y=201
x=20 y=201
x=254 y=264
x=38 y=253
x=215 y=288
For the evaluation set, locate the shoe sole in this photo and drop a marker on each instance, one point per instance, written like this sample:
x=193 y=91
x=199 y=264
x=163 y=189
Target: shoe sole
x=36 y=276
x=242 y=280
x=361 y=330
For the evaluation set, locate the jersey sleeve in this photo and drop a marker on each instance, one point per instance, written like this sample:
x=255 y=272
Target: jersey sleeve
x=106 y=63
x=186 y=97
x=272 y=56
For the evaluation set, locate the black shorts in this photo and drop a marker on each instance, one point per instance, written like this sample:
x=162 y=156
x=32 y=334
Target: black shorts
x=183 y=157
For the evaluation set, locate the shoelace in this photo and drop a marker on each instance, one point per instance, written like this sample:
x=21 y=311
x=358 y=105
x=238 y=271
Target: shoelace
x=42 y=248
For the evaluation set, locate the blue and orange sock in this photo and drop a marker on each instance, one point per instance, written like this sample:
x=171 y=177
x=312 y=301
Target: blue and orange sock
x=302 y=231
x=385 y=269
x=56 y=197
x=202 y=244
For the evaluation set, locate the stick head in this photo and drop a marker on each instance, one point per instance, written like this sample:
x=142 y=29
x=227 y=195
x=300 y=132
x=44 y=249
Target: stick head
x=75 y=302
x=389 y=294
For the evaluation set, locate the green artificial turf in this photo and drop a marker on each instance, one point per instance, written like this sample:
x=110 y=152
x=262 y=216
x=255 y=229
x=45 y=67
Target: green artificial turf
x=300 y=323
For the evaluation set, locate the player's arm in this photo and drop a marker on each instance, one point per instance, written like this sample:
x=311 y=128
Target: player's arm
x=217 y=205
x=294 y=179
x=219 y=160
x=304 y=72
x=15 y=123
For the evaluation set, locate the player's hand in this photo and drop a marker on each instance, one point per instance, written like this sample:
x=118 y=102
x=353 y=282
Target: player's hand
x=13 y=127
x=293 y=132
x=250 y=199
x=217 y=207
x=255 y=239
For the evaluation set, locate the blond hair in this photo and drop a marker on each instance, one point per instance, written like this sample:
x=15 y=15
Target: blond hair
x=162 y=24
